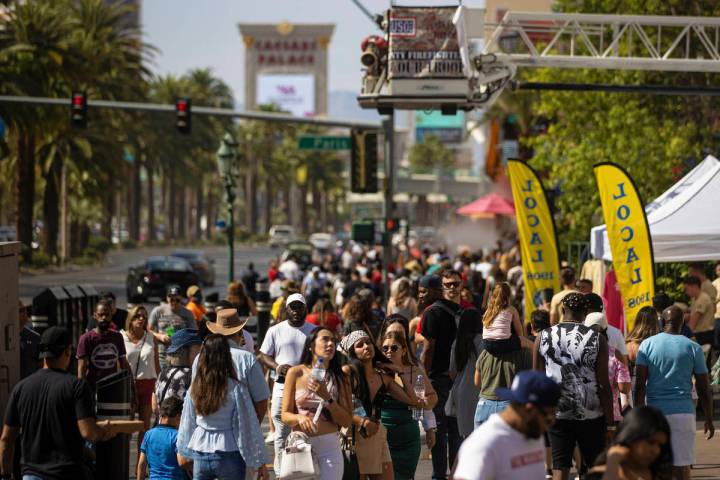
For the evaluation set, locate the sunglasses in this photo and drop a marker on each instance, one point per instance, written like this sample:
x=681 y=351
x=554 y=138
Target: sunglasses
x=450 y=285
x=393 y=348
x=141 y=316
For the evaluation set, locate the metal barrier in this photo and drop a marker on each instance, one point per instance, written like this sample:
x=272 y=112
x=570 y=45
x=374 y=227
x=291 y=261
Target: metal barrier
x=114 y=394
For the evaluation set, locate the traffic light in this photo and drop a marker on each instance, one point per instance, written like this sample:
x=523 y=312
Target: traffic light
x=363 y=232
x=392 y=225
x=78 y=109
x=183 y=115
x=363 y=162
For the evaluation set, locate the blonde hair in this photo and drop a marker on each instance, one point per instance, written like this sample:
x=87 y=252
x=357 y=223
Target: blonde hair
x=499 y=301
x=132 y=314
x=403 y=292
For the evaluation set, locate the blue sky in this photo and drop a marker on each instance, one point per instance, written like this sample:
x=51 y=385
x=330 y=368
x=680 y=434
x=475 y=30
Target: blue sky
x=203 y=33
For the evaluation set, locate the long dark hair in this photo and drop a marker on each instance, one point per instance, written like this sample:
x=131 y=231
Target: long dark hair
x=215 y=366
x=358 y=381
x=335 y=366
x=468 y=328
x=641 y=423
x=394 y=318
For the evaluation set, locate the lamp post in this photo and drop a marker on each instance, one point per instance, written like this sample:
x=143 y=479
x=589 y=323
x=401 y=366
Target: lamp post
x=227 y=165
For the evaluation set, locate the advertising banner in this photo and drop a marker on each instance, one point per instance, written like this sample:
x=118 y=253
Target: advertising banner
x=423 y=43
x=536 y=234
x=448 y=128
x=294 y=93
x=629 y=237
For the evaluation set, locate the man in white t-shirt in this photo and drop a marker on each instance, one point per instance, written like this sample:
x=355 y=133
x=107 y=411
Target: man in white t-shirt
x=280 y=350
x=510 y=445
x=616 y=339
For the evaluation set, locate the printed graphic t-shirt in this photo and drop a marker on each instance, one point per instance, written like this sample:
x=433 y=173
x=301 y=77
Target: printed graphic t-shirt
x=102 y=352
x=570 y=351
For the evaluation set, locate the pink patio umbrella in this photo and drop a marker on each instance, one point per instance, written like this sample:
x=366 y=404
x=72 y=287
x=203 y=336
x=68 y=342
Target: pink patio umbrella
x=488 y=206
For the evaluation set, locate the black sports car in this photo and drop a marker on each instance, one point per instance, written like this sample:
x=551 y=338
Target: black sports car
x=152 y=277
x=202 y=265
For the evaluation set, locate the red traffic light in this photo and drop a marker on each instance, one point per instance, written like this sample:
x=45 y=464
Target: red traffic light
x=78 y=109
x=183 y=115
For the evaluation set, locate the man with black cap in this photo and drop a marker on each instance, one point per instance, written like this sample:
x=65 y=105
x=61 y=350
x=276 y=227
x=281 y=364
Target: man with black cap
x=168 y=318
x=280 y=350
x=576 y=357
x=55 y=412
x=509 y=445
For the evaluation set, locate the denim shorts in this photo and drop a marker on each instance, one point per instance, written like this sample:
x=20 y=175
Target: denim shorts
x=220 y=465
x=486 y=407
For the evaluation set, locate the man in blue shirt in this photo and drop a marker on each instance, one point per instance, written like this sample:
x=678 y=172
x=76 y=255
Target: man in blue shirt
x=158 y=450
x=666 y=363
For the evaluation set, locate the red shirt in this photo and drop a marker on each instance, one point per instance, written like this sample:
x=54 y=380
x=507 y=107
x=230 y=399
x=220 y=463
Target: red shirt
x=332 y=321
x=272 y=274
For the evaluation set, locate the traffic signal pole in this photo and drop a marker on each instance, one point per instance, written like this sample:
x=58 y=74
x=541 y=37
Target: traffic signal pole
x=388 y=204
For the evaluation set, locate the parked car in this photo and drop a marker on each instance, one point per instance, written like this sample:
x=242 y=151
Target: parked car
x=151 y=277
x=323 y=242
x=202 y=265
x=281 y=235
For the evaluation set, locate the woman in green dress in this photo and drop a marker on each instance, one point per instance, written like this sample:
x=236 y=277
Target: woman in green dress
x=403 y=434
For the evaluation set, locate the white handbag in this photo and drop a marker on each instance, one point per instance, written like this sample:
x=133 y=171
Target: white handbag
x=297 y=460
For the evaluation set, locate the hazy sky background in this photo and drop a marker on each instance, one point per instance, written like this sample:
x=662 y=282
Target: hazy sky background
x=196 y=34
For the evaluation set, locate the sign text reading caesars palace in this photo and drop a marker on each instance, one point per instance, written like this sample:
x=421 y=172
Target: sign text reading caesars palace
x=285 y=52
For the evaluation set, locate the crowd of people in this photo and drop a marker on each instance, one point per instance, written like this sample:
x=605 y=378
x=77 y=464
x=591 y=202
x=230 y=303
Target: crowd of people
x=362 y=373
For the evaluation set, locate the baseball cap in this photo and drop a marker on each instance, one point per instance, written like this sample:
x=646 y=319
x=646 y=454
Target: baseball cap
x=531 y=386
x=174 y=290
x=53 y=341
x=315 y=269
x=183 y=338
x=430 y=281
x=295 y=297
x=596 y=318
x=192 y=290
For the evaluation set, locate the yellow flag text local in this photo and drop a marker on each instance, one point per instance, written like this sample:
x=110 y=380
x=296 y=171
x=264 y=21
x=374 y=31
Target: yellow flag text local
x=536 y=234
x=629 y=238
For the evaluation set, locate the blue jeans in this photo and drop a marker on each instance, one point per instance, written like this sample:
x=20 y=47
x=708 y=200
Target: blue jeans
x=31 y=477
x=220 y=465
x=486 y=407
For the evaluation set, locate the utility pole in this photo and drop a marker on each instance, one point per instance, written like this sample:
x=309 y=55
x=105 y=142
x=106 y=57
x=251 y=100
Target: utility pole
x=388 y=204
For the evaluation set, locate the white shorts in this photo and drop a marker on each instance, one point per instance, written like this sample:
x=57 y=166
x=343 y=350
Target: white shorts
x=682 y=438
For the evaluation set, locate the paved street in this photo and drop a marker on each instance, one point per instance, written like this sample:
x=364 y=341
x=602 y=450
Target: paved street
x=111 y=275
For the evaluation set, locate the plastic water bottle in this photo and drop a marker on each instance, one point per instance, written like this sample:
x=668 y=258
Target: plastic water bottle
x=318 y=373
x=419 y=389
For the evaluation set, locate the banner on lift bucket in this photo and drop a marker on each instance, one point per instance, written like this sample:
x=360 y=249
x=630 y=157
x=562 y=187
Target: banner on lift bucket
x=423 y=43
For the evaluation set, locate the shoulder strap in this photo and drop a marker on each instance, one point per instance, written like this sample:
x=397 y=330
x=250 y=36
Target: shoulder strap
x=167 y=385
x=456 y=315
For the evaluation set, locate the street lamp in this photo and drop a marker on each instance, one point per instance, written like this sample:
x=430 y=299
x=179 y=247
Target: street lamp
x=227 y=159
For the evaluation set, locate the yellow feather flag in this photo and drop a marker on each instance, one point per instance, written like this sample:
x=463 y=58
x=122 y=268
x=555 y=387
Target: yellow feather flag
x=629 y=236
x=536 y=234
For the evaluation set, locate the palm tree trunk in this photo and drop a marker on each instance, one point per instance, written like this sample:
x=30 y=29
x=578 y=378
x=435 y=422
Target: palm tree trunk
x=211 y=215
x=51 y=202
x=251 y=215
x=199 y=207
x=269 y=197
x=317 y=207
x=182 y=213
x=303 y=208
x=170 y=203
x=150 y=202
x=135 y=200
x=287 y=202
x=25 y=191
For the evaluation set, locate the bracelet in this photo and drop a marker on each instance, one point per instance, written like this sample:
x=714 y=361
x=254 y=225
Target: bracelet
x=612 y=428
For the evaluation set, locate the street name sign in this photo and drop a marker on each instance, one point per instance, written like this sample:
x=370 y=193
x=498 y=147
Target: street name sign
x=316 y=142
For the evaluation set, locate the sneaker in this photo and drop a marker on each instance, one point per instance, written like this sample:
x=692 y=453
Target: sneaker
x=270 y=438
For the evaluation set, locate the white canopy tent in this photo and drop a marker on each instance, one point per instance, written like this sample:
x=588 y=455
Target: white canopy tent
x=683 y=223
